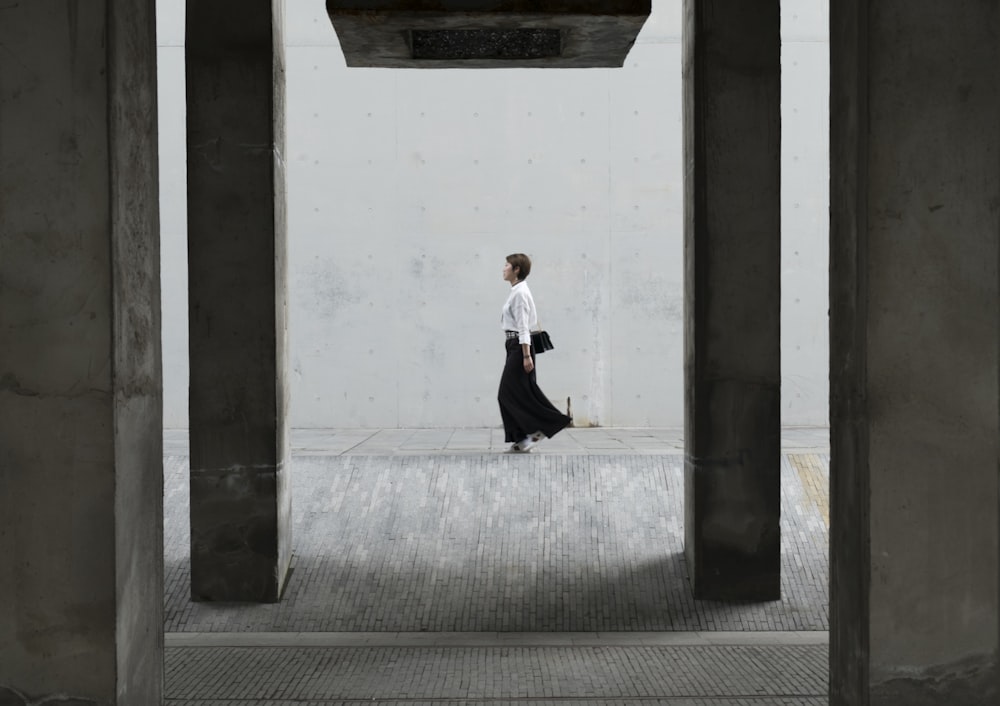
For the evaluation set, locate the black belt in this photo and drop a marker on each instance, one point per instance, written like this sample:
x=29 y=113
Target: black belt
x=511 y=334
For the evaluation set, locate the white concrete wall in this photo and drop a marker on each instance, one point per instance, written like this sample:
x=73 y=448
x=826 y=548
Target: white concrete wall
x=173 y=211
x=408 y=188
x=805 y=220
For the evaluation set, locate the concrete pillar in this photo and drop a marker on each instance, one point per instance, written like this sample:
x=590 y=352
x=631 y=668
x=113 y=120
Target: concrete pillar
x=915 y=222
x=81 y=451
x=732 y=251
x=240 y=496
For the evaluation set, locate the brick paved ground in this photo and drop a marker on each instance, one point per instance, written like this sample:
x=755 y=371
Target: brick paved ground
x=397 y=532
x=493 y=542
x=719 y=674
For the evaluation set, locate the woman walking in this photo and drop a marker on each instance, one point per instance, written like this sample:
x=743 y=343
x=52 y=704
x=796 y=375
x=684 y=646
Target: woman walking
x=528 y=416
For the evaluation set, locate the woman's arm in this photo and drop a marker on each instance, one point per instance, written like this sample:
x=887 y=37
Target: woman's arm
x=522 y=315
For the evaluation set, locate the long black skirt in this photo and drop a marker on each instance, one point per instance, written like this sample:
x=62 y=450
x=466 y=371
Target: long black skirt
x=523 y=407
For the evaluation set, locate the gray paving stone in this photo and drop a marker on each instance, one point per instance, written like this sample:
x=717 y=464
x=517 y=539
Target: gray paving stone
x=495 y=542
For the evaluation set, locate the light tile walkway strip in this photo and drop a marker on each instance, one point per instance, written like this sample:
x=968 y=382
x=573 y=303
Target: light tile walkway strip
x=572 y=441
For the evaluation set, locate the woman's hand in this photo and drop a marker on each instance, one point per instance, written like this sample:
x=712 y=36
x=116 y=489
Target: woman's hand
x=529 y=364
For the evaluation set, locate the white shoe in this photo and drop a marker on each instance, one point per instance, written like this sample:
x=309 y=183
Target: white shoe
x=526 y=443
x=515 y=449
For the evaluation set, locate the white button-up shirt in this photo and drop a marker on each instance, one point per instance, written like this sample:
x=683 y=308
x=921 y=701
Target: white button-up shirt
x=519 y=313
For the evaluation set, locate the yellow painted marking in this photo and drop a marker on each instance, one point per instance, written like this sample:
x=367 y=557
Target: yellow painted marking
x=815 y=481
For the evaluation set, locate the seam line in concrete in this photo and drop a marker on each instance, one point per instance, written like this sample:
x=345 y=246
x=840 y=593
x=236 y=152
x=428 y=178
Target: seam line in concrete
x=465 y=640
x=742 y=699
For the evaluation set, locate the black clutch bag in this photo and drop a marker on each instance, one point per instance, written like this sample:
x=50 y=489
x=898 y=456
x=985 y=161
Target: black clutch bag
x=541 y=342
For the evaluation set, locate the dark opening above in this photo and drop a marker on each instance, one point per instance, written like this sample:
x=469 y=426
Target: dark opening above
x=458 y=44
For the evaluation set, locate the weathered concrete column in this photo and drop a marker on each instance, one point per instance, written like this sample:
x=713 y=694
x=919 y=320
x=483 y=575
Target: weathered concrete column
x=81 y=451
x=915 y=222
x=240 y=497
x=732 y=250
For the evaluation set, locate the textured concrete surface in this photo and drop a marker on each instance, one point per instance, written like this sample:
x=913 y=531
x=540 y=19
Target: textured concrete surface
x=468 y=541
x=80 y=364
x=914 y=413
x=732 y=303
x=237 y=293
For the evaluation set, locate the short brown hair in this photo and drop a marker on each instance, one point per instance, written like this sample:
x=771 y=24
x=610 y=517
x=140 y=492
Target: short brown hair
x=520 y=262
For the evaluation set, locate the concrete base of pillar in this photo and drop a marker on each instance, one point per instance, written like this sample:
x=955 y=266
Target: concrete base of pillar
x=969 y=682
x=235 y=520
x=733 y=496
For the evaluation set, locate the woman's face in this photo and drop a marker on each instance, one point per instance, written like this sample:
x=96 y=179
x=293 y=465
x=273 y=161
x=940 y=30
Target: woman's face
x=508 y=273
